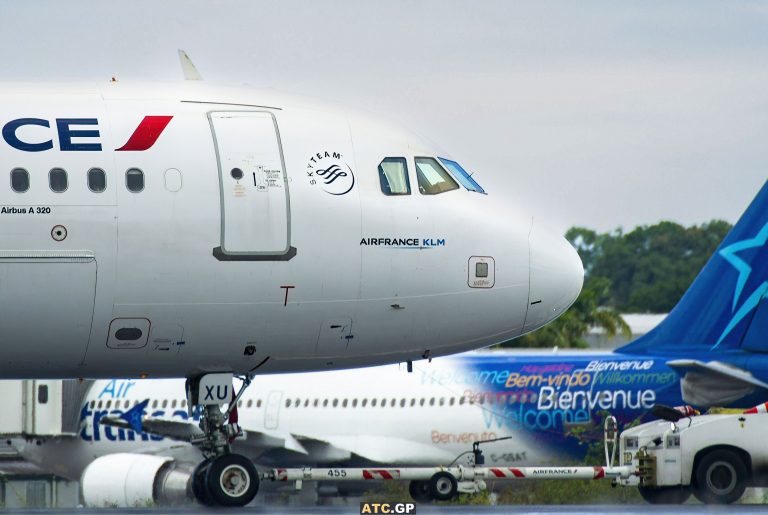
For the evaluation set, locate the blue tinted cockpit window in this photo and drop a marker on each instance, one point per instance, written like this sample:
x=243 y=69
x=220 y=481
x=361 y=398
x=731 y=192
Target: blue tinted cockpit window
x=464 y=177
x=432 y=177
x=393 y=176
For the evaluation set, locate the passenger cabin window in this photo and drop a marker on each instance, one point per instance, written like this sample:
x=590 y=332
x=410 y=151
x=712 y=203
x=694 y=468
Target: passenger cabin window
x=433 y=179
x=19 y=180
x=57 y=180
x=97 y=180
x=464 y=177
x=134 y=180
x=393 y=176
x=42 y=394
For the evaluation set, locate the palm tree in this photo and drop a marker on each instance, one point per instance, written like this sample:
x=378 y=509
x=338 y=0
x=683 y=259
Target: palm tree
x=587 y=312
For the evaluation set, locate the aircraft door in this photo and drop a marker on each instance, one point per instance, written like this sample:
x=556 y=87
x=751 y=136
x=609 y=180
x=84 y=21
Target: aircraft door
x=272 y=410
x=46 y=301
x=255 y=204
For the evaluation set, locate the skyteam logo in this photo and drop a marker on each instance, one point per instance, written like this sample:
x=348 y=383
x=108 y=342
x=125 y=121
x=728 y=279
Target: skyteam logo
x=331 y=172
x=731 y=255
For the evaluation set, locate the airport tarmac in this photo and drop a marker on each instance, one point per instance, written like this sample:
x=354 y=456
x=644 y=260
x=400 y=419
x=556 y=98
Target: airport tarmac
x=638 y=509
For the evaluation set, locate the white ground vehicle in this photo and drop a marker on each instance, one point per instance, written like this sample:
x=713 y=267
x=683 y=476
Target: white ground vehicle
x=713 y=457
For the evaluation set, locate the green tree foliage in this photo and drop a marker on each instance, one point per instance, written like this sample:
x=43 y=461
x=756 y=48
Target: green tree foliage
x=644 y=271
x=650 y=267
x=569 y=329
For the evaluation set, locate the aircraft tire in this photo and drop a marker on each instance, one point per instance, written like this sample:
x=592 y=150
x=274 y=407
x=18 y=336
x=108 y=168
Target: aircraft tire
x=199 y=490
x=420 y=491
x=443 y=486
x=231 y=480
x=721 y=477
x=665 y=494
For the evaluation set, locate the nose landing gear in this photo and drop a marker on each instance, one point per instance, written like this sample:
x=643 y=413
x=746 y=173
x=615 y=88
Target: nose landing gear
x=224 y=478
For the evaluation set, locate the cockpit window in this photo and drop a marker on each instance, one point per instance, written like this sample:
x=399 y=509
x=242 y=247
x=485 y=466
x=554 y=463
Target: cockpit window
x=464 y=177
x=433 y=178
x=393 y=176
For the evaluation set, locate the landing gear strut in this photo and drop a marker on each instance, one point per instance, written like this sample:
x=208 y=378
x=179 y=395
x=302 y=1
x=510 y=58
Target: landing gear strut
x=223 y=478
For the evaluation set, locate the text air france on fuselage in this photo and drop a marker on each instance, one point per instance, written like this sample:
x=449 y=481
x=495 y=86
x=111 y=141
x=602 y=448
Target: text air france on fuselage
x=77 y=134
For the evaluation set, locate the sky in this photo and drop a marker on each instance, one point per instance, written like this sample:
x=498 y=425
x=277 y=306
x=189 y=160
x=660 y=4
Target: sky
x=601 y=114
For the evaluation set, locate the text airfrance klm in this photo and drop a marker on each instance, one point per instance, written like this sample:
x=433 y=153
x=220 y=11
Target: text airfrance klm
x=404 y=242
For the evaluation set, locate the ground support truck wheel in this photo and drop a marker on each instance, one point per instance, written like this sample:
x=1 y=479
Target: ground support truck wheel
x=443 y=486
x=720 y=477
x=420 y=491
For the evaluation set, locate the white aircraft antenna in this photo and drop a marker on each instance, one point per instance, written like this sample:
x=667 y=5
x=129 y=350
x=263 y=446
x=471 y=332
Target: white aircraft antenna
x=188 y=67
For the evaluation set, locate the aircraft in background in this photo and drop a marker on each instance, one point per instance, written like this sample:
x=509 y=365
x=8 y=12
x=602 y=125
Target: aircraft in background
x=379 y=415
x=183 y=230
x=708 y=351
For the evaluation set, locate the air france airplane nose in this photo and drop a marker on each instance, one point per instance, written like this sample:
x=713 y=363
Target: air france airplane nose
x=556 y=277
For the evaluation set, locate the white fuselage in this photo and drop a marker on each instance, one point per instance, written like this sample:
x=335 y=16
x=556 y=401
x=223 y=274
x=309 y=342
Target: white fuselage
x=246 y=232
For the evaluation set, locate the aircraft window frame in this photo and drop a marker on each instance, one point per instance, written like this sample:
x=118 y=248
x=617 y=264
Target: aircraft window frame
x=96 y=171
x=426 y=186
x=451 y=401
x=422 y=401
x=306 y=402
x=25 y=174
x=373 y=402
x=354 y=403
x=258 y=403
x=461 y=175
x=316 y=403
x=61 y=172
x=364 y=403
x=136 y=172
x=344 y=403
x=413 y=402
x=325 y=403
x=154 y=404
x=384 y=179
x=249 y=403
x=402 y=403
x=432 y=401
x=335 y=403
x=287 y=403
x=462 y=400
